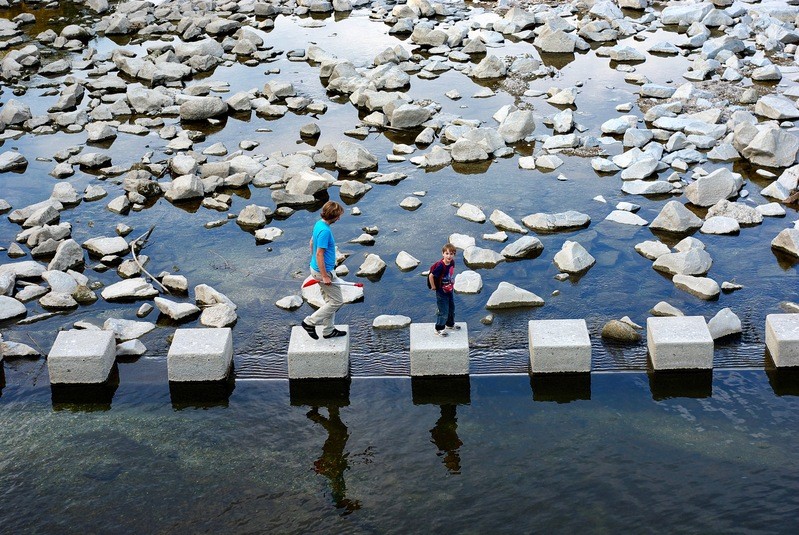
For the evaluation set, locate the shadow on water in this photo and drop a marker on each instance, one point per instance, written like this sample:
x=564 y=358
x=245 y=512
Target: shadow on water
x=561 y=387
x=332 y=395
x=85 y=398
x=201 y=395
x=2 y=378
x=680 y=384
x=447 y=393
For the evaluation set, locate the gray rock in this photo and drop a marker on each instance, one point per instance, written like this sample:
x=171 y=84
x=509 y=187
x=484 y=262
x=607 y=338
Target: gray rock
x=675 y=217
x=787 y=241
x=724 y=323
x=720 y=225
x=11 y=308
x=104 y=246
x=176 y=311
x=11 y=160
x=57 y=301
x=290 y=302
x=205 y=295
x=353 y=157
x=471 y=212
x=125 y=330
x=136 y=288
x=405 y=261
x=555 y=222
x=690 y=262
x=772 y=147
x=652 y=249
x=713 y=187
x=620 y=331
x=776 y=107
x=185 y=187
x=573 y=258
x=218 y=316
x=478 y=257
x=517 y=125
x=373 y=266
x=388 y=322
x=252 y=216
x=490 y=67
x=701 y=287
x=131 y=348
x=202 y=108
x=509 y=296
x=524 y=247
x=503 y=221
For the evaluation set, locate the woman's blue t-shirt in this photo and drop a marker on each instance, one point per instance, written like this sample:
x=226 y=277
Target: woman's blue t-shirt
x=323 y=237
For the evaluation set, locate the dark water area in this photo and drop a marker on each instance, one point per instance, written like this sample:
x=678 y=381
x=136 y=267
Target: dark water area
x=691 y=453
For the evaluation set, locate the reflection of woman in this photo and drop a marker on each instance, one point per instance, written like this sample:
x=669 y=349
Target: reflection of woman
x=333 y=461
x=445 y=437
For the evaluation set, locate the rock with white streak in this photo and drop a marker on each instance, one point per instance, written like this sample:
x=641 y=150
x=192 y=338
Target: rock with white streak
x=573 y=258
x=468 y=282
x=724 y=323
x=509 y=296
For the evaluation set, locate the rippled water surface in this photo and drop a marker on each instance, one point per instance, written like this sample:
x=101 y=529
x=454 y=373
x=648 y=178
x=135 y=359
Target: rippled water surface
x=611 y=452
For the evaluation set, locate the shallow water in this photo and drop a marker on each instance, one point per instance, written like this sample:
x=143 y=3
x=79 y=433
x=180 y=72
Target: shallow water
x=605 y=453
x=255 y=276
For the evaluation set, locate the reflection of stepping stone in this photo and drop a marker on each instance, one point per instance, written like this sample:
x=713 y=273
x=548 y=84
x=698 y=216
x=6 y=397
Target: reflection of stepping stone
x=81 y=357
x=200 y=355
x=782 y=339
x=680 y=342
x=318 y=359
x=559 y=346
x=435 y=355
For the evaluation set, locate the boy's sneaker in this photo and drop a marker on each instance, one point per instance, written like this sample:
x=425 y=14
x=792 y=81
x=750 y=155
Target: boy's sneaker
x=441 y=333
x=454 y=328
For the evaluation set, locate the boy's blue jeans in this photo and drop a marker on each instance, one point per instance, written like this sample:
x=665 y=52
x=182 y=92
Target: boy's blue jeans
x=446 y=310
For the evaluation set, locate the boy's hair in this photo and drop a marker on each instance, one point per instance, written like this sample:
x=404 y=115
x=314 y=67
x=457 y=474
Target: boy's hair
x=331 y=210
x=448 y=247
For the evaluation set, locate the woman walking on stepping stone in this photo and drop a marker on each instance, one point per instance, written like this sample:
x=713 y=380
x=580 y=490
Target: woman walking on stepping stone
x=323 y=264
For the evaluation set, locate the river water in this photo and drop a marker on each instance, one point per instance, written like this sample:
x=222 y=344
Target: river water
x=706 y=453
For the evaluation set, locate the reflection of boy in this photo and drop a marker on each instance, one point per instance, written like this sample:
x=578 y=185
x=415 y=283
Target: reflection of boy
x=323 y=262
x=442 y=280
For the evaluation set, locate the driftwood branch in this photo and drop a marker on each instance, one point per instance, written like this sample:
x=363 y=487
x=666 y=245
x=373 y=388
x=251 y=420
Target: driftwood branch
x=139 y=243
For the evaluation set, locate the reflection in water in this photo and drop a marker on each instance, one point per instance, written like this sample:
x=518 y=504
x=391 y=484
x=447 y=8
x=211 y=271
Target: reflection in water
x=85 y=398
x=445 y=436
x=680 y=384
x=201 y=395
x=561 y=387
x=333 y=462
x=784 y=381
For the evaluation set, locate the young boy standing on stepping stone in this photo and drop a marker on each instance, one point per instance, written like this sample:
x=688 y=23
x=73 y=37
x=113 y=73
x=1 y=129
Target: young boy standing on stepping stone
x=323 y=264
x=442 y=279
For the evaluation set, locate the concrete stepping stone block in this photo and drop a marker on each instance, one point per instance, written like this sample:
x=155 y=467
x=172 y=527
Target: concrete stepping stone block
x=782 y=339
x=200 y=355
x=679 y=342
x=81 y=357
x=559 y=346
x=318 y=359
x=436 y=355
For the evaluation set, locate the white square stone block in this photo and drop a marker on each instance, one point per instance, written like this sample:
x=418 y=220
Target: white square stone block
x=81 y=357
x=559 y=346
x=782 y=339
x=679 y=343
x=436 y=355
x=200 y=355
x=318 y=359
